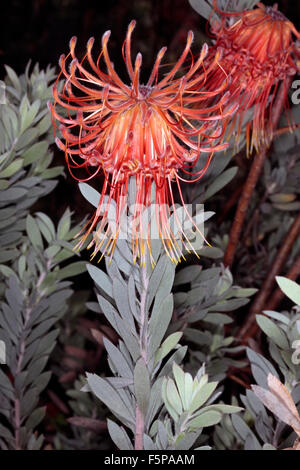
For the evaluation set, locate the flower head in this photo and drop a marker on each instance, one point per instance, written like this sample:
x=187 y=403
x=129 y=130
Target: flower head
x=147 y=132
x=258 y=53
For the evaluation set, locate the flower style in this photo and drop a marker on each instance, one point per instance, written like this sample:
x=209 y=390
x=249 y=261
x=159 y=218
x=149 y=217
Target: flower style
x=258 y=53
x=147 y=132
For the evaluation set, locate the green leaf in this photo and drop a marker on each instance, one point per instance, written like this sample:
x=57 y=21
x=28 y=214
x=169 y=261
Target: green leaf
x=225 y=409
x=4 y=185
x=6 y=271
x=120 y=295
x=26 y=138
x=273 y=331
x=52 y=172
x=211 y=252
x=156 y=278
x=28 y=113
x=12 y=169
x=207 y=418
x=159 y=322
x=64 y=225
x=180 y=382
x=48 y=223
x=188 y=388
x=111 y=398
x=36 y=417
x=244 y=432
x=167 y=346
x=90 y=194
x=72 y=269
x=33 y=232
x=172 y=399
x=219 y=182
x=142 y=386
x=290 y=288
x=12 y=194
x=202 y=396
x=187 y=274
x=13 y=78
x=118 y=360
x=119 y=436
x=44 y=125
x=101 y=279
x=35 y=152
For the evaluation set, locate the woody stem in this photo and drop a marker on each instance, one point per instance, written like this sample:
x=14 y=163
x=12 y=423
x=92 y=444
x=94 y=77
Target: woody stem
x=252 y=179
x=258 y=305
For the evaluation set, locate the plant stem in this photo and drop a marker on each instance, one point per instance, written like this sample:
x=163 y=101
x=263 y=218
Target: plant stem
x=252 y=179
x=139 y=417
x=22 y=347
x=139 y=430
x=258 y=305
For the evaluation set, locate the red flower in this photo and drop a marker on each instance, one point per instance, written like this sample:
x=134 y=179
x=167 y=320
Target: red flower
x=146 y=132
x=257 y=52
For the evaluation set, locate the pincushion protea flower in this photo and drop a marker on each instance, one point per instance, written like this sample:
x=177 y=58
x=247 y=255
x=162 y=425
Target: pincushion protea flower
x=257 y=52
x=147 y=132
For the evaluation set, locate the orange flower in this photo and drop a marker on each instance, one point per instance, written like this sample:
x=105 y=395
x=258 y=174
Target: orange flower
x=146 y=132
x=257 y=51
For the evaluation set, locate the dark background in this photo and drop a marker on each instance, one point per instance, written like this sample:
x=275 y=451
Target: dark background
x=41 y=29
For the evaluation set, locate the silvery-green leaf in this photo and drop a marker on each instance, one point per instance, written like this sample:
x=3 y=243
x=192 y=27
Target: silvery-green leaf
x=167 y=346
x=202 y=396
x=13 y=78
x=72 y=269
x=118 y=359
x=211 y=252
x=33 y=232
x=225 y=409
x=290 y=288
x=155 y=279
x=26 y=138
x=277 y=316
x=148 y=443
x=119 y=436
x=218 y=319
x=207 y=418
x=172 y=412
x=110 y=397
x=11 y=169
x=243 y=431
x=142 y=386
x=36 y=417
x=273 y=331
x=90 y=194
x=155 y=401
x=159 y=322
x=101 y=279
x=180 y=382
x=34 y=152
x=120 y=295
x=187 y=274
x=269 y=447
x=219 y=183
x=176 y=357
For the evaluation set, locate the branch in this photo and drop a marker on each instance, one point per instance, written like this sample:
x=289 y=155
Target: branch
x=251 y=181
x=259 y=302
x=139 y=417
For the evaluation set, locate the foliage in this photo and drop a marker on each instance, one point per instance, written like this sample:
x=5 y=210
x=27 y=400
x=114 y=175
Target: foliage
x=132 y=356
x=34 y=289
x=256 y=429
